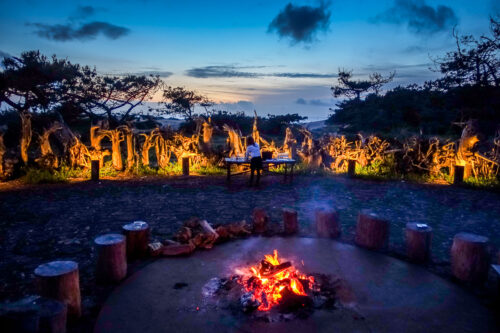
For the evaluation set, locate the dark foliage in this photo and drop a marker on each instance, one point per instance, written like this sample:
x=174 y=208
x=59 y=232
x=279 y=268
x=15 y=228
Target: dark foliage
x=468 y=89
x=269 y=125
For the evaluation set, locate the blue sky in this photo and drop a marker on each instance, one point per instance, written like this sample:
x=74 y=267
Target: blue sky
x=274 y=56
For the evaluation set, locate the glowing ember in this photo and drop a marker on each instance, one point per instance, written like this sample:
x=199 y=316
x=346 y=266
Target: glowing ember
x=272 y=280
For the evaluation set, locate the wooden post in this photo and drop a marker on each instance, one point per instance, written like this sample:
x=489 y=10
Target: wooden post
x=260 y=220
x=111 y=258
x=418 y=241
x=372 y=231
x=137 y=234
x=60 y=280
x=290 y=222
x=469 y=257
x=53 y=315
x=185 y=166
x=496 y=272
x=327 y=223
x=458 y=175
x=94 y=170
x=351 y=168
x=19 y=317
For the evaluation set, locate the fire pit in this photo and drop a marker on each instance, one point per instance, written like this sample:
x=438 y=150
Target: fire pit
x=203 y=293
x=273 y=290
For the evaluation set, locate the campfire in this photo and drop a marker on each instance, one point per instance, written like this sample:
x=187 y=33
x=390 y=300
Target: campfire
x=272 y=290
x=274 y=283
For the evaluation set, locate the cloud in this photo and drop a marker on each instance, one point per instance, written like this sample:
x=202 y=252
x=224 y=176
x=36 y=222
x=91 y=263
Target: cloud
x=86 y=31
x=304 y=75
x=242 y=72
x=154 y=73
x=313 y=102
x=419 y=17
x=218 y=71
x=83 y=12
x=301 y=23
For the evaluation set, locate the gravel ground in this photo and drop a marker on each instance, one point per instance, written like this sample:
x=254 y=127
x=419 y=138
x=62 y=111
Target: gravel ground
x=47 y=222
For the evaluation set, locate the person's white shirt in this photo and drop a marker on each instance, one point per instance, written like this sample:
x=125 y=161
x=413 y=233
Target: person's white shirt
x=253 y=151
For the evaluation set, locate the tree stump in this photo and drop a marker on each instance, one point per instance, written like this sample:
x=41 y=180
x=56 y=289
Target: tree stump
x=372 y=232
x=496 y=272
x=60 y=280
x=111 y=258
x=458 y=174
x=290 y=222
x=137 y=234
x=19 y=317
x=260 y=220
x=185 y=166
x=327 y=223
x=52 y=315
x=94 y=170
x=351 y=168
x=469 y=257
x=418 y=241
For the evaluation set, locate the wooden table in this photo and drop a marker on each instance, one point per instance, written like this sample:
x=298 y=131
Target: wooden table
x=265 y=163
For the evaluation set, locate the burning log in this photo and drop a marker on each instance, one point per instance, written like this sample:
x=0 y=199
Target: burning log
x=177 y=249
x=112 y=258
x=418 y=241
x=260 y=220
x=327 y=223
x=268 y=269
x=60 y=280
x=291 y=225
x=137 y=234
x=372 y=232
x=469 y=257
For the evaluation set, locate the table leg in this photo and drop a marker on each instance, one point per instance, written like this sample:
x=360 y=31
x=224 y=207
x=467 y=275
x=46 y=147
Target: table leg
x=228 y=171
x=285 y=171
x=291 y=172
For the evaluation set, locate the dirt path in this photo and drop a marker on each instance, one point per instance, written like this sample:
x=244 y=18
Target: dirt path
x=48 y=222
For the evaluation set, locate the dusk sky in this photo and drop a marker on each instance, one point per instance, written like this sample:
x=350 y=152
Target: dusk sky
x=275 y=56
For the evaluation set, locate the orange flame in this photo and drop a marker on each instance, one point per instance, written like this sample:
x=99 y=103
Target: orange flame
x=268 y=289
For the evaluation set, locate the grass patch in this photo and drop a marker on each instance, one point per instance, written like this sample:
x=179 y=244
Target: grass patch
x=61 y=175
x=209 y=170
x=42 y=176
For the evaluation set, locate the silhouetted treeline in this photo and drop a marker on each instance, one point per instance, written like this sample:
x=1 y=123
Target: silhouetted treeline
x=469 y=88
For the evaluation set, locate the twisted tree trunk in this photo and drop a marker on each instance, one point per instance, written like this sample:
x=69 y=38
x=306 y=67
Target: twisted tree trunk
x=48 y=159
x=2 y=153
x=26 y=134
x=116 y=151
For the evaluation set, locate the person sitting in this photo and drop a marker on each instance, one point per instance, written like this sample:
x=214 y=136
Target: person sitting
x=253 y=153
